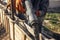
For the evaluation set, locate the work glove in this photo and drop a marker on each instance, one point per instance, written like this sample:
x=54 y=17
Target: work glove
x=38 y=12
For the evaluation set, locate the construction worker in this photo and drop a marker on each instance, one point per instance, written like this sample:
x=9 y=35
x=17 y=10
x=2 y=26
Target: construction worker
x=41 y=11
x=42 y=7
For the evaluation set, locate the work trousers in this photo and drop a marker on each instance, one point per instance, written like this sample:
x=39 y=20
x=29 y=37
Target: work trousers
x=40 y=25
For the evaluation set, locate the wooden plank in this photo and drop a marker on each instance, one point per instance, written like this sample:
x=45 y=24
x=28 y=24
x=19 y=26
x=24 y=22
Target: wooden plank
x=11 y=29
x=26 y=32
x=20 y=33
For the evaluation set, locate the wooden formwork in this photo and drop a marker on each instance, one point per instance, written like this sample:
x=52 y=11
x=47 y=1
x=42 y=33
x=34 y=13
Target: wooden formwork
x=15 y=31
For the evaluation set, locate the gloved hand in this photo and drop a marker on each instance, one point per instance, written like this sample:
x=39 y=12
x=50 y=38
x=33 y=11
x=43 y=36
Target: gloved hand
x=38 y=13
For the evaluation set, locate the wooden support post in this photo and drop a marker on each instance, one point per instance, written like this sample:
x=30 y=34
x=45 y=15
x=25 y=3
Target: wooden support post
x=12 y=32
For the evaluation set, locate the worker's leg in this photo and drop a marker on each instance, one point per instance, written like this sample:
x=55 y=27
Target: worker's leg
x=40 y=20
